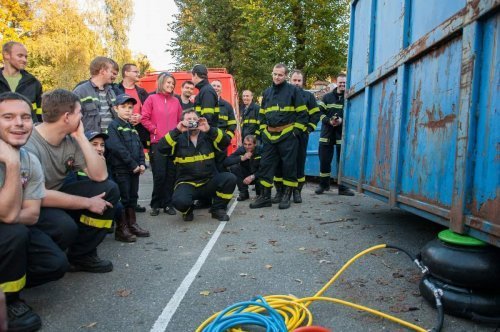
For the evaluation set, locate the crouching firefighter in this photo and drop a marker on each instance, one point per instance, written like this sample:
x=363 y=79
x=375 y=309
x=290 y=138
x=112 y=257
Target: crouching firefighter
x=193 y=144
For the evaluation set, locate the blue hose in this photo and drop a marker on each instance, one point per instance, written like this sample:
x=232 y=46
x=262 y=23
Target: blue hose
x=234 y=316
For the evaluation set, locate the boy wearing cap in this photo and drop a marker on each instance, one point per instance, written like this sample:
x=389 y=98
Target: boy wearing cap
x=126 y=158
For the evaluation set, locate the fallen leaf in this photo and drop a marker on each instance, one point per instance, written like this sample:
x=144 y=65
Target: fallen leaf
x=89 y=326
x=123 y=292
x=299 y=281
x=321 y=261
x=219 y=290
x=205 y=293
x=243 y=274
x=269 y=266
x=302 y=248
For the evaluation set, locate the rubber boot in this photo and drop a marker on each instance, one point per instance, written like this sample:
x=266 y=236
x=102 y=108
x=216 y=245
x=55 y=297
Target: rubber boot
x=264 y=200
x=297 y=193
x=343 y=190
x=133 y=225
x=285 y=199
x=279 y=193
x=324 y=185
x=122 y=232
x=257 y=189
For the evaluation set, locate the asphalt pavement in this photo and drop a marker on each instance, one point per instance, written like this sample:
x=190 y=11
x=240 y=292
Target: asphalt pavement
x=187 y=271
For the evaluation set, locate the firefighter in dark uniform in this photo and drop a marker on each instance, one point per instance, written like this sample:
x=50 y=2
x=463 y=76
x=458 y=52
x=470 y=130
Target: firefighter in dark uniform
x=28 y=256
x=226 y=123
x=313 y=113
x=249 y=116
x=283 y=116
x=244 y=163
x=13 y=77
x=192 y=145
x=206 y=102
x=331 y=135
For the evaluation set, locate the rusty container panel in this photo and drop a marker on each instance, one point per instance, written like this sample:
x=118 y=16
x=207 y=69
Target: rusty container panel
x=430 y=130
x=422 y=122
x=381 y=120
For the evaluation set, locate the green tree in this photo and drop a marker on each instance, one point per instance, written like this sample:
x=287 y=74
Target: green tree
x=249 y=37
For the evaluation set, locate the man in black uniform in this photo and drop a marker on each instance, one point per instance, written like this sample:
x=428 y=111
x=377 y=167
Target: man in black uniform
x=331 y=135
x=14 y=78
x=187 y=89
x=28 y=256
x=192 y=145
x=226 y=123
x=206 y=102
x=283 y=116
x=249 y=115
x=297 y=79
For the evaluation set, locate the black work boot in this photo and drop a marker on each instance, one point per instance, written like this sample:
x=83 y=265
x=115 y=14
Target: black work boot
x=279 y=193
x=139 y=208
x=285 y=199
x=22 y=318
x=243 y=196
x=264 y=200
x=123 y=233
x=220 y=214
x=188 y=215
x=133 y=225
x=297 y=197
x=344 y=191
x=89 y=263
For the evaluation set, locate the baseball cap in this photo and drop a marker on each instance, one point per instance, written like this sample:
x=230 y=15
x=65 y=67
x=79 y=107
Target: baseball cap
x=200 y=70
x=93 y=134
x=123 y=98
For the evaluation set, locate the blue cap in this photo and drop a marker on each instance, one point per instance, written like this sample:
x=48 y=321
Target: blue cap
x=93 y=134
x=123 y=98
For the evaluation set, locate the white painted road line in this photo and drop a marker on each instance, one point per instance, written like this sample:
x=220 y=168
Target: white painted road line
x=169 y=311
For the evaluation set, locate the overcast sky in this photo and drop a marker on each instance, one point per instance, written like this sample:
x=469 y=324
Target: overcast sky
x=148 y=33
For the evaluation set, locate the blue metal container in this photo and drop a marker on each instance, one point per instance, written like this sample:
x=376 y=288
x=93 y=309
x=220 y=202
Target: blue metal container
x=312 y=157
x=422 y=123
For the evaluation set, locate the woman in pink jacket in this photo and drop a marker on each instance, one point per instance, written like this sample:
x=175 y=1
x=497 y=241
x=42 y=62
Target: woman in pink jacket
x=161 y=113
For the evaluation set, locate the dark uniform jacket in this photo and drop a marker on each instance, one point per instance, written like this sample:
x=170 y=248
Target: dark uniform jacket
x=250 y=120
x=282 y=106
x=143 y=95
x=227 y=120
x=29 y=87
x=123 y=147
x=332 y=105
x=184 y=106
x=206 y=103
x=252 y=164
x=195 y=164
x=313 y=112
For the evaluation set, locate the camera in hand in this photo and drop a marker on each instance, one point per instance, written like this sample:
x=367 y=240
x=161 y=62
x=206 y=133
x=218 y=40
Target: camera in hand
x=335 y=117
x=192 y=124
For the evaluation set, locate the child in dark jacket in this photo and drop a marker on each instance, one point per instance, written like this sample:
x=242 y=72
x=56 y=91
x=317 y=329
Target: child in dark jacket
x=126 y=158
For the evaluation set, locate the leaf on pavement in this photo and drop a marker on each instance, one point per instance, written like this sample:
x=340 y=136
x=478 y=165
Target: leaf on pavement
x=269 y=266
x=243 y=274
x=123 y=292
x=205 y=293
x=89 y=326
x=219 y=290
x=302 y=248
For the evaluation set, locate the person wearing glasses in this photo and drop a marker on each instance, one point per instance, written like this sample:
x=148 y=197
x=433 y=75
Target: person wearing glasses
x=161 y=113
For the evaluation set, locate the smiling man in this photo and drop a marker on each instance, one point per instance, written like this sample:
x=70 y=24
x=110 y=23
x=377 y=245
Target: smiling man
x=14 y=77
x=28 y=257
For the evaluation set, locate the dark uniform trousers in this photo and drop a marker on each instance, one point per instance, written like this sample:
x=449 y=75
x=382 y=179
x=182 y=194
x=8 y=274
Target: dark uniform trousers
x=325 y=152
x=220 y=188
x=241 y=173
x=28 y=258
x=163 y=178
x=80 y=231
x=303 y=140
x=128 y=183
x=280 y=159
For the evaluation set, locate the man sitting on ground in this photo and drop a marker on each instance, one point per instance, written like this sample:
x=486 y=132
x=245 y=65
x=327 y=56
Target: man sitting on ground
x=77 y=215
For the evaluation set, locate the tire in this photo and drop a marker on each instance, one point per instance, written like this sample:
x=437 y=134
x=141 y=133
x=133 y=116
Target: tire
x=479 y=306
x=464 y=266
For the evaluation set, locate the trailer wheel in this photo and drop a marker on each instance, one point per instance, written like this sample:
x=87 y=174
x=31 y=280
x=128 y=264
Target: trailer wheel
x=469 y=266
x=479 y=306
